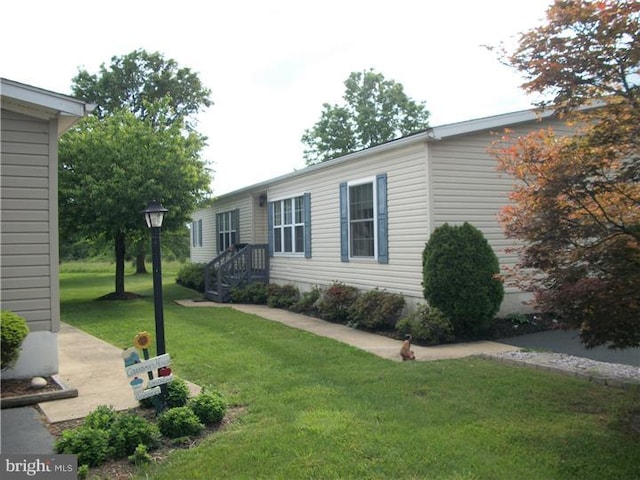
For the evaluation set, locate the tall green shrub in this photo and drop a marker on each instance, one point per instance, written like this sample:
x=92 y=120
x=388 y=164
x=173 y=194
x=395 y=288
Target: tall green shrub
x=13 y=331
x=460 y=277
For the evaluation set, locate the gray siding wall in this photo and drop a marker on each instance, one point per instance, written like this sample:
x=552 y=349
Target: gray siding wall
x=29 y=220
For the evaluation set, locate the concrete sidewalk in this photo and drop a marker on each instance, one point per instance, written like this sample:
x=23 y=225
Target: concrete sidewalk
x=379 y=345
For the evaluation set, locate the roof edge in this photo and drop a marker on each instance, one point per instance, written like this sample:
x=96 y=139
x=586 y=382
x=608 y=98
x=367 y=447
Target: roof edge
x=67 y=109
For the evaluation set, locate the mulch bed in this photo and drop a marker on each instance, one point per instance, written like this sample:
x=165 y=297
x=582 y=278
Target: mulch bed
x=22 y=386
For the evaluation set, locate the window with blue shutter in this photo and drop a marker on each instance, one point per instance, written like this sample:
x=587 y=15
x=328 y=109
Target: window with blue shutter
x=364 y=219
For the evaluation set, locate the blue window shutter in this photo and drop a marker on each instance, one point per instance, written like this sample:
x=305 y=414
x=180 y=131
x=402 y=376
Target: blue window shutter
x=270 y=227
x=383 y=223
x=306 y=206
x=218 y=246
x=344 y=224
x=193 y=234
x=200 y=232
x=235 y=223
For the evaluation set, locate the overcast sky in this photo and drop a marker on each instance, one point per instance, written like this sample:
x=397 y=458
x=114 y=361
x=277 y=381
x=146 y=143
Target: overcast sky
x=272 y=64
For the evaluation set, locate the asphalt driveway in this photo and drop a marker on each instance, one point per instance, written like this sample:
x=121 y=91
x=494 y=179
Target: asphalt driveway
x=568 y=342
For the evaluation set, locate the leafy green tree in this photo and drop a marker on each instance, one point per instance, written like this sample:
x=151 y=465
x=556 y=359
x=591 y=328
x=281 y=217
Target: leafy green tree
x=577 y=203
x=136 y=81
x=461 y=278
x=111 y=168
x=375 y=111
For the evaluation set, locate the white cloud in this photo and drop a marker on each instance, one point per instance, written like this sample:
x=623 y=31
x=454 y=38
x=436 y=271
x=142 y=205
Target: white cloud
x=271 y=65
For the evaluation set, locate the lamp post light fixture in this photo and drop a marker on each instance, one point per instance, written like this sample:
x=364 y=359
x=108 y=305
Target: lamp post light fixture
x=154 y=215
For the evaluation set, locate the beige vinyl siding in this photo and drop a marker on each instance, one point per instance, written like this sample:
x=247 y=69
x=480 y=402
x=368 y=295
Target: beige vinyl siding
x=206 y=252
x=258 y=228
x=251 y=228
x=29 y=226
x=467 y=187
x=407 y=213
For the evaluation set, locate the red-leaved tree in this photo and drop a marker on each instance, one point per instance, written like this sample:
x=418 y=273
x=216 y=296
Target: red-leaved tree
x=576 y=205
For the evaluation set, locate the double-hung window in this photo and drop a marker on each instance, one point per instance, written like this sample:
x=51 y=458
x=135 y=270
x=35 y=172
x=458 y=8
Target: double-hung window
x=290 y=226
x=363 y=219
x=227 y=229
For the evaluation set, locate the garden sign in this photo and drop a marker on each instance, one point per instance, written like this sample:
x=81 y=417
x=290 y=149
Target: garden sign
x=136 y=368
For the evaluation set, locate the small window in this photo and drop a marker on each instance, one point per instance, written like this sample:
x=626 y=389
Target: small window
x=196 y=233
x=362 y=220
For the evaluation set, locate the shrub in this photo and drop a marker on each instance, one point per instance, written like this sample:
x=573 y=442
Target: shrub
x=282 y=296
x=102 y=417
x=460 y=277
x=140 y=456
x=13 y=331
x=179 y=422
x=128 y=431
x=191 y=275
x=91 y=445
x=177 y=395
x=335 y=302
x=427 y=325
x=377 y=309
x=308 y=301
x=209 y=407
x=83 y=471
x=255 y=293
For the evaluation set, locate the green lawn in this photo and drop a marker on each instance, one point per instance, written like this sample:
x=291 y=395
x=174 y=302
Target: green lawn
x=317 y=409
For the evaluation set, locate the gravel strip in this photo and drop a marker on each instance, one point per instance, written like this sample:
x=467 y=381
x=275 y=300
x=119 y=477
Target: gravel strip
x=611 y=374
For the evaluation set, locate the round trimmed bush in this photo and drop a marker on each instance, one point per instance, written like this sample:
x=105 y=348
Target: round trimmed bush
x=191 y=275
x=377 y=310
x=209 y=407
x=179 y=422
x=427 y=325
x=13 y=331
x=102 y=417
x=461 y=278
x=177 y=395
x=336 y=300
x=128 y=431
x=91 y=445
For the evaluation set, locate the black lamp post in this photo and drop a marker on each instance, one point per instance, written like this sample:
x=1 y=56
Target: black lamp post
x=154 y=214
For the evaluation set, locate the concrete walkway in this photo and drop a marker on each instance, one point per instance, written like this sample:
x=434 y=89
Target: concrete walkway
x=379 y=345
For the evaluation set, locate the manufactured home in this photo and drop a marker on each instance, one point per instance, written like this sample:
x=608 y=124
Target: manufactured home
x=363 y=219
x=31 y=121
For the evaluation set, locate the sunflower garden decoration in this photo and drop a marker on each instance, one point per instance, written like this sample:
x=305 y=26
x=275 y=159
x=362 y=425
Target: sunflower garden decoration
x=136 y=367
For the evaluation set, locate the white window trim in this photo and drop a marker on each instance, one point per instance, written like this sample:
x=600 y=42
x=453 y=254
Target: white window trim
x=280 y=199
x=355 y=183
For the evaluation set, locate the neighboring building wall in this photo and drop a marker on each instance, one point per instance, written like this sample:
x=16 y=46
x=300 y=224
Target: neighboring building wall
x=29 y=229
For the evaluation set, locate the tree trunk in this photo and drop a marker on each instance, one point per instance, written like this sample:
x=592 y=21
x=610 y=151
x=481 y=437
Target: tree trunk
x=120 y=251
x=140 y=266
x=141 y=252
